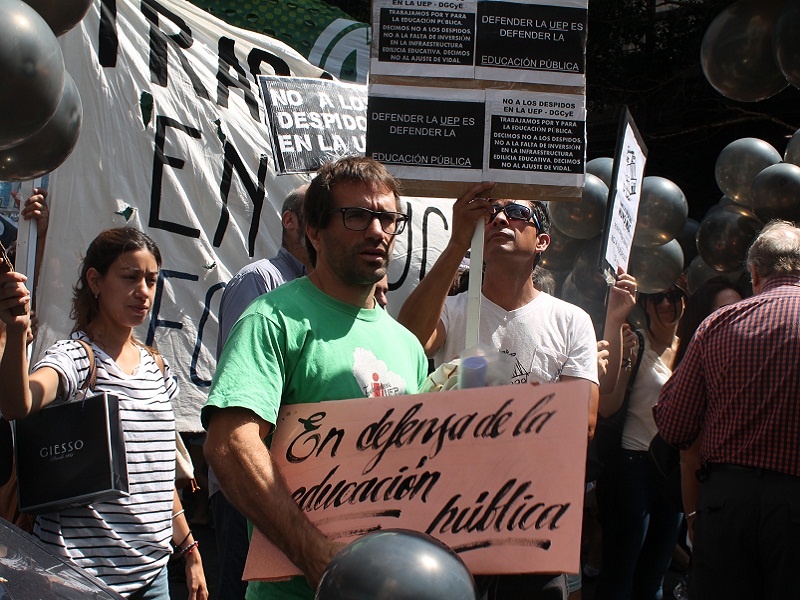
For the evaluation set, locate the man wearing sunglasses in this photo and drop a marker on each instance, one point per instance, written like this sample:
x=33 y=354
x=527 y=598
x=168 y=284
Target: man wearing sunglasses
x=320 y=337
x=737 y=390
x=548 y=339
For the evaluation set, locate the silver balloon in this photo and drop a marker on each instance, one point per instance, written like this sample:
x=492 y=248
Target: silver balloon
x=776 y=193
x=397 y=564
x=586 y=273
x=49 y=147
x=585 y=219
x=61 y=15
x=739 y=163
x=725 y=235
x=562 y=251
x=656 y=268
x=792 y=154
x=699 y=272
x=603 y=168
x=662 y=212
x=737 y=54
x=32 y=72
x=787 y=43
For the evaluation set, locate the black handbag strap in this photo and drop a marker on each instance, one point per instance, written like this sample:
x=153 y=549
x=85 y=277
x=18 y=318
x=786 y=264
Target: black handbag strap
x=90 y=381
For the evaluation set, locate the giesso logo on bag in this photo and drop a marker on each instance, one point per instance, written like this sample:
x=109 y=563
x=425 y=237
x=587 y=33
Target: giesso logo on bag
x=57 y=451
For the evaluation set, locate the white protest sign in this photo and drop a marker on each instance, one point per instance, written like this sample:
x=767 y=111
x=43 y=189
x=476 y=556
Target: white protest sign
x=624 y=195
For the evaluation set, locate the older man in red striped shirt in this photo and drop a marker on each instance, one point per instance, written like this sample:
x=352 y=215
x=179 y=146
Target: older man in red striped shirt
x=738 y=390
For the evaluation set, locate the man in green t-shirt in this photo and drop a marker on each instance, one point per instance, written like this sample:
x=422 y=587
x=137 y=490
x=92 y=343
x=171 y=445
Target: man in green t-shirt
x=320 y=337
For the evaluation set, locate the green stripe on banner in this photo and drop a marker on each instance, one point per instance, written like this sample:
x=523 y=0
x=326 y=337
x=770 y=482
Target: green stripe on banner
x=327 y=36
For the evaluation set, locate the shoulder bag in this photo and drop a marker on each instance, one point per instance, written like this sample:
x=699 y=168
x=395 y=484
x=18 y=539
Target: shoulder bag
x=71 y=453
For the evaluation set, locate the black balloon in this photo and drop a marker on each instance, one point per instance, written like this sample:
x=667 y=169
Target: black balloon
x=32 y=72
x=792 y=154
x=662 y=212
x=656 y=268
x=49 y=147
x=737 y=54
x=61 y=15
x=698 y=272
x=596 y=309
x=687 y=238
x=775 y=193
x=725 y=235
x=396 y=564
x=586 y=273
x=739 y=163
x=562 y=251
x=787 y=42
x=585 y=219
x=603 y=168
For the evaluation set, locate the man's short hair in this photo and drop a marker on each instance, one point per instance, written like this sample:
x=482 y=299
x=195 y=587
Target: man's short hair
x=776 y=250
x=293 y=203
x=352 y=169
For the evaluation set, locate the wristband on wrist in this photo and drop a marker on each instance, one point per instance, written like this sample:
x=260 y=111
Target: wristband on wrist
x=190 y=548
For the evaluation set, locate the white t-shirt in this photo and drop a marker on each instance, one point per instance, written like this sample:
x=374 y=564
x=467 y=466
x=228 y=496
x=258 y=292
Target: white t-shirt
x=545 y=339
x=125 y=542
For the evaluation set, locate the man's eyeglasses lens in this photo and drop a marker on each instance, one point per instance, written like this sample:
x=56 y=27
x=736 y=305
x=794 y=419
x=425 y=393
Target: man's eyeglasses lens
x=673 y=296
x=518 y=212
x=358 y=219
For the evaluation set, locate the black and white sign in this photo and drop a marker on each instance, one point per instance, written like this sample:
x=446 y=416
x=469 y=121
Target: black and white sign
x=313 y=121
x=427 y=131
x=624 y=195
x=531 y=42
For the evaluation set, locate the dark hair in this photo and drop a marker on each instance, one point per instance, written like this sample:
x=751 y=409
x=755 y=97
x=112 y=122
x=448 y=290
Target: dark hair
x=101 y=254
x=698 y=307
x=351 y=169
x=542 y=214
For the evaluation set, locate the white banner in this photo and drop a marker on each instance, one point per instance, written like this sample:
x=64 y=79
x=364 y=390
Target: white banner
x=174 y=142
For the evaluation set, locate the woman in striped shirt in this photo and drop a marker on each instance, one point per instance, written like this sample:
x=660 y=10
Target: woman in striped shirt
x=126 y=543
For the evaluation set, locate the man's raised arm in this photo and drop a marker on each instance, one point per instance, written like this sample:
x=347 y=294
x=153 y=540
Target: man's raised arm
x=422 y=310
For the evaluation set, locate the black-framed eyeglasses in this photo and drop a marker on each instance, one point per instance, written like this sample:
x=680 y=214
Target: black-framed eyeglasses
x=673 y=296
x=517 y=212
x=358 y=219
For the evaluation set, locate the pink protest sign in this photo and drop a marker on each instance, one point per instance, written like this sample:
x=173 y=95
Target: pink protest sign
x=495 y=473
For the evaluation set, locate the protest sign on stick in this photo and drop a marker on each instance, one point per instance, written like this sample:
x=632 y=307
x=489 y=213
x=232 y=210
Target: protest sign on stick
x=623 y=198
x=456 y=96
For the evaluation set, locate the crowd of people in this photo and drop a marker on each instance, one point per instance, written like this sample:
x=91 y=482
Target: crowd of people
x=709 y=374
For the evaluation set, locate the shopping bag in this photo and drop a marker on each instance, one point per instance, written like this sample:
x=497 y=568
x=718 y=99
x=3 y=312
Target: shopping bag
x=71 y=454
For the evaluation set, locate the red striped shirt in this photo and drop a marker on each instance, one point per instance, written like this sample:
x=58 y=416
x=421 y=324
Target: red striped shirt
x=739 y=384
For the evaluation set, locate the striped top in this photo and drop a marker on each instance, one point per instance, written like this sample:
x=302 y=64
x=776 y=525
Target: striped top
x=738 y=387
x=125 y=542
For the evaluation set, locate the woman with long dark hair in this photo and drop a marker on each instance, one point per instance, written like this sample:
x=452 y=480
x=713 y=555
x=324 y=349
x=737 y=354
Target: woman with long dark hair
x=126 y=542
x=640 y=525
